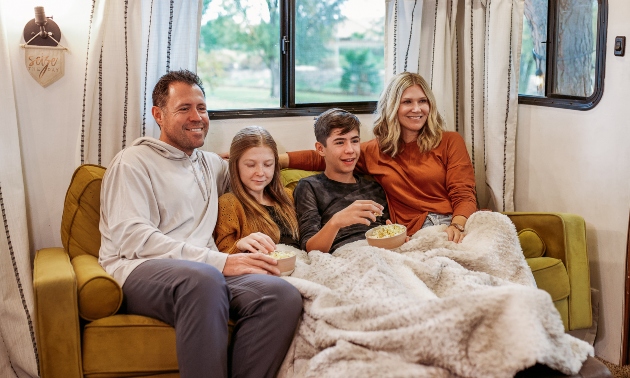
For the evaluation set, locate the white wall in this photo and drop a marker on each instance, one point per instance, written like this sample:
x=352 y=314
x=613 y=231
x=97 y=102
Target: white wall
x=579 y=162
x=48 y=118
x=567 y=161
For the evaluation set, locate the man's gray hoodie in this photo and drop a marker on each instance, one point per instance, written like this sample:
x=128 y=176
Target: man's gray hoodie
x=159 y=203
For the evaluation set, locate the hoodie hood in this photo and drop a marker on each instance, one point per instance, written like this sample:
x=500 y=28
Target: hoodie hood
x=198 y=164
x=164 y=149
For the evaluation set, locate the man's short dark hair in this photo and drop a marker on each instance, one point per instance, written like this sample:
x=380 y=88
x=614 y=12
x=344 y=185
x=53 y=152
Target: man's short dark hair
x=335 y=118
x=160 y=92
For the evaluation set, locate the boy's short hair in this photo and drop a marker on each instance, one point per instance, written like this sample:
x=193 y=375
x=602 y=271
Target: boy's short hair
x=335 y=118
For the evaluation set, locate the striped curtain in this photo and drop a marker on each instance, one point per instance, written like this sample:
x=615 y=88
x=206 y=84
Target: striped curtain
x=469 y=52
x=18 y=348
x=131 y=44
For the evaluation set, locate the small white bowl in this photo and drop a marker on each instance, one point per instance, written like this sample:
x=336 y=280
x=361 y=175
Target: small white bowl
x=286 y=264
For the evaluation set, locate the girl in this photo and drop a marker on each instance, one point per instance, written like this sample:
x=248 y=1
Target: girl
x=258 y=204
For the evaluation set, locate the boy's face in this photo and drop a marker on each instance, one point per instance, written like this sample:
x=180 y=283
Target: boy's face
x=341 y=154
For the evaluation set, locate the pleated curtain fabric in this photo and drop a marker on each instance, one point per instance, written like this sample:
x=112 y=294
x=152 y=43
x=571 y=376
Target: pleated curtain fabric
x=469 y=52
x=131 y=45
x=18 y=347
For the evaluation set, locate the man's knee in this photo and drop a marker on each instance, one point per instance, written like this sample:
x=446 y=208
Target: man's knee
x=288 y=297
x=202 y=280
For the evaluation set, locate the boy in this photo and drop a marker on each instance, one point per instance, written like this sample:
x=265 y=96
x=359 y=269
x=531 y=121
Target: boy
x=337 y=206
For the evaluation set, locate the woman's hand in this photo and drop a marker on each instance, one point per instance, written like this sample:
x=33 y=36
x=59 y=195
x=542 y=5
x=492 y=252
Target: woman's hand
x=455 y=230
x=256 y=242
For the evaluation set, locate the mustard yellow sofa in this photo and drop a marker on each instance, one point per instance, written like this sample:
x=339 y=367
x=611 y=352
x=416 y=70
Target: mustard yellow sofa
x=83 y=331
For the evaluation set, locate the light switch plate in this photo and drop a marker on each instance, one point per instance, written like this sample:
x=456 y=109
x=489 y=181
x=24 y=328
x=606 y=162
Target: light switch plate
x=620 y=46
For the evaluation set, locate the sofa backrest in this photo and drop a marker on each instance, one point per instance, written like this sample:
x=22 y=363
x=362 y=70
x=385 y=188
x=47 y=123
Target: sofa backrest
x=81 y=212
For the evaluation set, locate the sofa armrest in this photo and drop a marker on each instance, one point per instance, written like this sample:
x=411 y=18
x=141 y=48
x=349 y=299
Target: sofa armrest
x=58 y=330
x=565 y=237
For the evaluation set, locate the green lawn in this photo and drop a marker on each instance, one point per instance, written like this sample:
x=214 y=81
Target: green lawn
x=222 y=98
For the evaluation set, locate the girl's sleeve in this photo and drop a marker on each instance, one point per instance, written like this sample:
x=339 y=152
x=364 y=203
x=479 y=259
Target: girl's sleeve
x=229 y=228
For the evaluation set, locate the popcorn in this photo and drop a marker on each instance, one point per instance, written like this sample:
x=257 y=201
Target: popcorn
x=387 y=231
x=278 y=255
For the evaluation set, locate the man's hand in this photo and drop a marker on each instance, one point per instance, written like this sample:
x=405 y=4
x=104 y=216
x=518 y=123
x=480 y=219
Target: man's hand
x=256 y=242
x=359 y=212
x=250 y=263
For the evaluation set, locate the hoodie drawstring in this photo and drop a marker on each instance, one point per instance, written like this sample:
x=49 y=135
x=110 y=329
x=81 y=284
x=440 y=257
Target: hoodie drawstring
x=205 y=194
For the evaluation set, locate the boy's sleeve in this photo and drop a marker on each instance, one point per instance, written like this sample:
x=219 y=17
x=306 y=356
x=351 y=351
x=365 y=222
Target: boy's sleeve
x=309 y=218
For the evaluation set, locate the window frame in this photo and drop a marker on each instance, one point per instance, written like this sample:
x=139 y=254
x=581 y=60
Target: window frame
x=565 y=101
x=287 y=106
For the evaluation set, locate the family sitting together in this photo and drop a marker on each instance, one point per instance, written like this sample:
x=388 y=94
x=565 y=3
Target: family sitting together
x=187 y=234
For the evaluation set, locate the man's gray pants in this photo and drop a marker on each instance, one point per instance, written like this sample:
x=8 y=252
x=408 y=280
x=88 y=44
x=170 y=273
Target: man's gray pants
x=197 y=300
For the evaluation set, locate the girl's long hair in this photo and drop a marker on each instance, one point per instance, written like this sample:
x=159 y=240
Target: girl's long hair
x=257 y=216
x=387 y=127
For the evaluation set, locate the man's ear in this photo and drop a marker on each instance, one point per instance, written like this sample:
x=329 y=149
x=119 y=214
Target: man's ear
x=320 y=149
x=156 y=111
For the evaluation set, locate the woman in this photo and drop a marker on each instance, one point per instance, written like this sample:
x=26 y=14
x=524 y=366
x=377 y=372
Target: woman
x=426 y=171
x=258 y=205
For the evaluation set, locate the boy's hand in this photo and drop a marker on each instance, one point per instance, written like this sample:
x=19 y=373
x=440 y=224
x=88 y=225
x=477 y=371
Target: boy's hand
x=359 y=212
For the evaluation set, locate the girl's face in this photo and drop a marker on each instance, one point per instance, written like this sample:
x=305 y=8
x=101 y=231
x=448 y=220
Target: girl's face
x=412 y=112
x=256 y=168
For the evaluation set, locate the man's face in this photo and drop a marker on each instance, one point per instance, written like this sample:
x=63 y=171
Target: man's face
x=341 y=154
x=184 y=119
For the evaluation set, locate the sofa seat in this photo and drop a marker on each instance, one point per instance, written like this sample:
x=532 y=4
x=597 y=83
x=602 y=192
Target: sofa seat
x=111 y=347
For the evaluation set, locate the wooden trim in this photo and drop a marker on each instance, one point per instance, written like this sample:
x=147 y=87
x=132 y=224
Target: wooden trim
x=625 y=359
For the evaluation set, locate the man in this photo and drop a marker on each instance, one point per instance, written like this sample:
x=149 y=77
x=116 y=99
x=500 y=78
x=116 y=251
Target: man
x=159 y=205
x=337 y=206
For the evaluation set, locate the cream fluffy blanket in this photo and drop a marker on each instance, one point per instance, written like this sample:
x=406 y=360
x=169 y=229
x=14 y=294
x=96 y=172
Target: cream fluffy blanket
x=431 y=308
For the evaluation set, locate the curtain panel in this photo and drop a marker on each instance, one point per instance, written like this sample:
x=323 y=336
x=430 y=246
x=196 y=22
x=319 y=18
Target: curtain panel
x=131 y=45
x=18 y=347
x=469 y=52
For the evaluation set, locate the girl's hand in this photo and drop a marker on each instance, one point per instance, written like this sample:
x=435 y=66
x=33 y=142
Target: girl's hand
x=256 y=242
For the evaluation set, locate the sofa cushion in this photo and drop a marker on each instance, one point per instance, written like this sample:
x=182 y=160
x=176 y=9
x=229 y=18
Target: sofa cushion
x=81 y=212
x=531 y=243
x=99 y=295
x=123 y=345
x=290 y=177
x=551 y=276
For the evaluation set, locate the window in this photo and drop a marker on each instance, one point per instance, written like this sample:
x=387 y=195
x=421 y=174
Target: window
x=563 y=53
x=291 y=57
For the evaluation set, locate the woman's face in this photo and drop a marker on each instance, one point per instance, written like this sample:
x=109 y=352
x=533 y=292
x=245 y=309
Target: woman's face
x=412 y=112
x=256 y=167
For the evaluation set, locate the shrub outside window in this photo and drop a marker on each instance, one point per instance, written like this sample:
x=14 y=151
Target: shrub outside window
x=291 y=57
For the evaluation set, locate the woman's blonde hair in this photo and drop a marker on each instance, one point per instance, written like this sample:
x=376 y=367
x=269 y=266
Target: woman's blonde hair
x=258 y=218
x=387 y=127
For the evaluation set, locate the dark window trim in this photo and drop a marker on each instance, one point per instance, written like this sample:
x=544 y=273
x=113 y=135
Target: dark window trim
x=573 y=102
x=288 y=107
